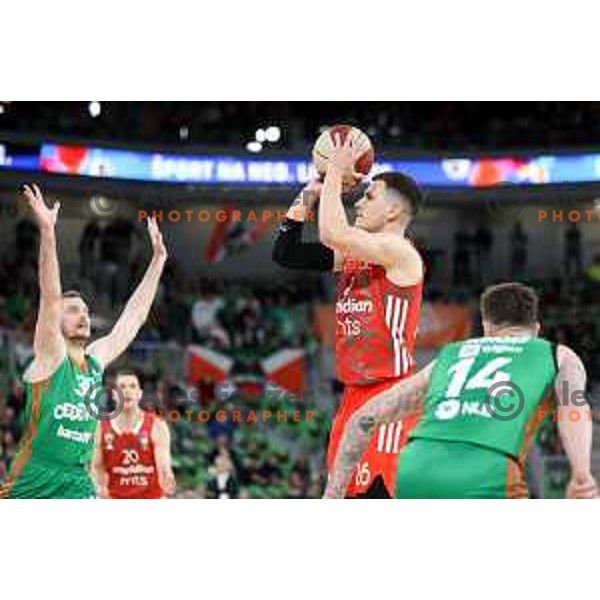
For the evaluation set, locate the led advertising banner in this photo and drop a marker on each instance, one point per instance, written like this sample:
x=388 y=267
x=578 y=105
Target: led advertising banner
x=206 y=169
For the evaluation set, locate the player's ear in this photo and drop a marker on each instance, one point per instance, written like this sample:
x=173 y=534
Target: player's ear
x=395 y=209
x=488 y=328
x=536 y=329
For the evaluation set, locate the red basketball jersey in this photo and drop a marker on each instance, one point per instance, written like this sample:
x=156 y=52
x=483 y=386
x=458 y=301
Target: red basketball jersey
x=376 y=325
x=129 y=459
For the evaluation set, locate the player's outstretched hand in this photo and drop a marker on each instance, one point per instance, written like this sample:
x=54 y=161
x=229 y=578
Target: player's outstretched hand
x=45 y=217
x=344 y=157
x=158 y=245
x=169 y=485
x=102 y=492
x=583 y=487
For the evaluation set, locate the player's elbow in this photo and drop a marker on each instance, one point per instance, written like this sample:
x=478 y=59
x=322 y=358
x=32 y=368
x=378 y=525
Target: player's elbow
x=330 y=238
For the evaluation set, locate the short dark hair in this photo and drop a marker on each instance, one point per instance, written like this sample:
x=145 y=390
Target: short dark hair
x=126 y=373
x=405 y=186
x=510 y=304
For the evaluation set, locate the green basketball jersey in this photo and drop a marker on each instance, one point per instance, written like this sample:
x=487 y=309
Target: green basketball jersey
x=488 y=391
x=60 y=432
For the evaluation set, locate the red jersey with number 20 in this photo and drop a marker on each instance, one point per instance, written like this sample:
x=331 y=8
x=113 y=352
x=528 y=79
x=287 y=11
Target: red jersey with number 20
x=129 y=462
x=376 y=325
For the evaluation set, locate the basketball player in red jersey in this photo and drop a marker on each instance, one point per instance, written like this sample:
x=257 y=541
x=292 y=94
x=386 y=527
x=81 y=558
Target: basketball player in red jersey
x=133 y=456
x=378 y=300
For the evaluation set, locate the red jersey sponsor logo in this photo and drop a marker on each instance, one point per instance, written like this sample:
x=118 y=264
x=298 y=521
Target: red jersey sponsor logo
x=376 y=324
x=129 y=460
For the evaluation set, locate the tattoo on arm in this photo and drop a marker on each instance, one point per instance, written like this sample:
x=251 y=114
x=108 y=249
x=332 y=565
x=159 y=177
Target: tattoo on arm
x=393 y=404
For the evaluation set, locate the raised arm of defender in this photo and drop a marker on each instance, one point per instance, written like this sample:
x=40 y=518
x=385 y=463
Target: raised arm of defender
x=110 y=347
x=392 y=405
x=49 y=346
x=575 y=433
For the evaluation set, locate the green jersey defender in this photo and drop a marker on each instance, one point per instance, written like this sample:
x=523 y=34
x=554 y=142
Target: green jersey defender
x=481 y=402
x=485 y=401
x=53 y=460
x=58 y=443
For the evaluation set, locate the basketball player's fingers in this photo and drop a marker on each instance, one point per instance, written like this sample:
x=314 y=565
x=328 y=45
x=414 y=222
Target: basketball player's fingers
x=28 y=193
x=151 y=228
x=584 y=482
x=591 y=495
x=156 y=236
x=38 y=193
x=588 y=490
x=154 y=225
x=56 y=208
x=583 y=492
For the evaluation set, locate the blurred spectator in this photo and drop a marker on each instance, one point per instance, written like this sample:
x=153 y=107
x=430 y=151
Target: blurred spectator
x=300 y=477
x=518 y=252
x=593 y=272
x=222 y=485
x=462 y=258
x=296 y=487
x=206 y=390
x=573 y=262
x=89 y=250
x=271 y=471
x=204 y=314
x=483 y=242
x=405 y=125
x=223 y=447
x=117 y=256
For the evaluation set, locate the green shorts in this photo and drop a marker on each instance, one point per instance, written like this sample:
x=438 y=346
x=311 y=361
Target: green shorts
x=442 y=469
x=40 y=480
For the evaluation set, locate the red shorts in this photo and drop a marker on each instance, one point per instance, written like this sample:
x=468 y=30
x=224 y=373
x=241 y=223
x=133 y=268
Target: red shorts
x=375 y=474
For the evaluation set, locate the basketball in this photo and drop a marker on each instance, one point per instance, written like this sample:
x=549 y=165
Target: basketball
x=324 y=146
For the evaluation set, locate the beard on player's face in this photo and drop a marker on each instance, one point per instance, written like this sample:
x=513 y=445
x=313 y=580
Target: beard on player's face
x=76 y=330
x=76 y=325
x=77 y=338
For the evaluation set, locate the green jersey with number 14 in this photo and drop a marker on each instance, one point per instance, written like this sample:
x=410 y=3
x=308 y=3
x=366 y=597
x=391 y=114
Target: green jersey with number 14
x=491 y=392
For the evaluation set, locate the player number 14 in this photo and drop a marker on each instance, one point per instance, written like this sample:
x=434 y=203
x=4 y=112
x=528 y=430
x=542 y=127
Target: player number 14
x=485 y=378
